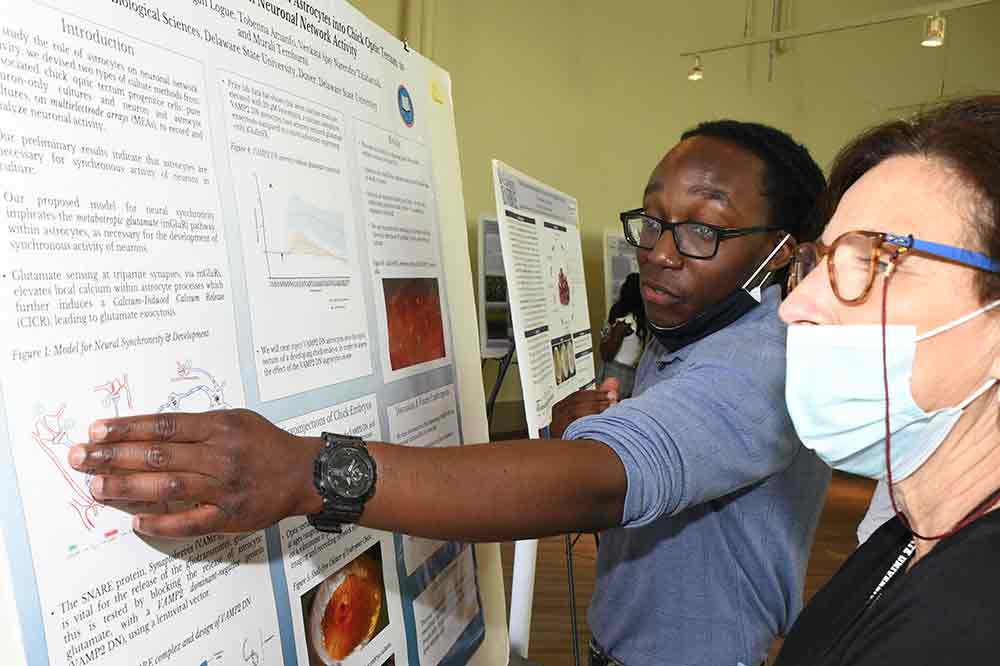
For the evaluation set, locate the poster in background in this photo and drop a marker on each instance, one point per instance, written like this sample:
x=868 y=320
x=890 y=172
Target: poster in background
x=620 y=260
x=495 y=329
x=543 y=262
x=209 y=206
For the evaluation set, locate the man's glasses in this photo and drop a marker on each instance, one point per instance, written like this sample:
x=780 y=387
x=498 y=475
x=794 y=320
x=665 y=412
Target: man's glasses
x=692 y=239
x=856 y=257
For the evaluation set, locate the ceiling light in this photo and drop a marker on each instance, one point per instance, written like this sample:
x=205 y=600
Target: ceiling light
x=934 y=27
x=696 y=73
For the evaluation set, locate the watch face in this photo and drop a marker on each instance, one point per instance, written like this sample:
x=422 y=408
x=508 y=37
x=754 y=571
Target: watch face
x=349 y=472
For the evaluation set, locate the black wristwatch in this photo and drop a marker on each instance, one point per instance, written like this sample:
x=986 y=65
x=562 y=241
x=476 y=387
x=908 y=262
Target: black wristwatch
x=344 y=474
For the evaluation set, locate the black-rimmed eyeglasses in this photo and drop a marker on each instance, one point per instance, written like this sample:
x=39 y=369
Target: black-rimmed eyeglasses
x=696 y=240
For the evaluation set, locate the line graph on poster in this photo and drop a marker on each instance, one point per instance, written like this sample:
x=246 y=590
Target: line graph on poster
x=201 y=391
x=299 y=238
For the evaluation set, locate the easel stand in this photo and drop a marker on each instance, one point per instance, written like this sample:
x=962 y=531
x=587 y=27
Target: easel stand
x=505 y=363
x=574 y=628
x=522 y=587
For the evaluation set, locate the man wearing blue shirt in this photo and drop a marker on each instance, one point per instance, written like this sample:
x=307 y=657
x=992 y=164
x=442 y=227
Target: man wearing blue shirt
x=708 y=500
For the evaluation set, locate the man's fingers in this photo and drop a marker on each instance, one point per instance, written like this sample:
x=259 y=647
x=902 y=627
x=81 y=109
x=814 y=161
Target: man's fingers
x=584 y=398
x=611 y=386
x=588 y=409
x=197 y=521
x=137 y=507
x=166 y=427
x=598 y=400
x=144 y=457
x=159 y=487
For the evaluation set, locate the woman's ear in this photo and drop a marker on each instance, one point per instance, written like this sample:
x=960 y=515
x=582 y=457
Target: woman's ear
x=784 y=255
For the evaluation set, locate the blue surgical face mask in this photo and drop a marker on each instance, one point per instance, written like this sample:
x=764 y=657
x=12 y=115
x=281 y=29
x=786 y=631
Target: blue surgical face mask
x=836 y=397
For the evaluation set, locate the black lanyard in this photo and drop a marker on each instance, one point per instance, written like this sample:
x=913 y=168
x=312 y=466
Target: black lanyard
x=899 y=564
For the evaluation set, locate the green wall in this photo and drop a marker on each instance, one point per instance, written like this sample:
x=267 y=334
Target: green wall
x=588 y=95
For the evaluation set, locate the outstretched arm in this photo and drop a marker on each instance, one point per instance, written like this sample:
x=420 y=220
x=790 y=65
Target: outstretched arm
x=238 y=472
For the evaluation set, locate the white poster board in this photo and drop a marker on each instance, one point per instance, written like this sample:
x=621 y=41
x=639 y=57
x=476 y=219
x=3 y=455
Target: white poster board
x=620 y=260
x=218 y=205
x=543 y=260
x=495 y=329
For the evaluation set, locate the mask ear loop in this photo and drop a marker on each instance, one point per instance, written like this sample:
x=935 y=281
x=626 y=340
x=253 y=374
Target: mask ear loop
x=983 y=507
x=757 y=296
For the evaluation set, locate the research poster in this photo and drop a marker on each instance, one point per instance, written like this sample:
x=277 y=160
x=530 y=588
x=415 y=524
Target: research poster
x=620 y=260
x=209 y=205
x=543 y=262
x=494 y=309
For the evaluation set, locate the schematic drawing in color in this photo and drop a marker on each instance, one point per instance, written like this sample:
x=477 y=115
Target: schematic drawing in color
x=114 y=390
x=52 y=437
x=204 y=393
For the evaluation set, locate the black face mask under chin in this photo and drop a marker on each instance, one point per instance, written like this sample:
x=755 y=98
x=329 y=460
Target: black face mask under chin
x=715 y=317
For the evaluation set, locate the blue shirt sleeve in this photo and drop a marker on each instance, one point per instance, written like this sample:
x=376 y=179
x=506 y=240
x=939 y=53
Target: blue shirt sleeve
x=703 y=433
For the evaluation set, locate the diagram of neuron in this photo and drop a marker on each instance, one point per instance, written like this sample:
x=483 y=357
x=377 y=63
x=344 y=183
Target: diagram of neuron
x=51 y=428
x=51 y=434
x=298 y=238
x=201 y=391
x=114 y=391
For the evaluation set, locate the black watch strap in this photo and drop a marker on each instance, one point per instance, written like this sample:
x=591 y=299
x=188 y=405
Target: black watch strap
x=338 y=508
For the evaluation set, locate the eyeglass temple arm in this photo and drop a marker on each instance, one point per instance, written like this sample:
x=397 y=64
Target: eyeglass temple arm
x=729 y=233
x=967 y=257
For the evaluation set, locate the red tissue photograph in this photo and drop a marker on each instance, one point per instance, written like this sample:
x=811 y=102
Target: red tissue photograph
x=416 y=327
x=346 y=610
x=563 y=288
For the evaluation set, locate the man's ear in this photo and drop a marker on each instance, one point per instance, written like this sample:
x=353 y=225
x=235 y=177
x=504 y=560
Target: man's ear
x=784 y=255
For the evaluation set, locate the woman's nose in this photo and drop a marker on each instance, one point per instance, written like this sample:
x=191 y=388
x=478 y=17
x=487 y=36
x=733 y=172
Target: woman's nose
x=812 y=301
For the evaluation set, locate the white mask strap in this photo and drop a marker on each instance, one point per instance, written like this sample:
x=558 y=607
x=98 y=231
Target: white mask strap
x=763 y=264
x=981 y=390
x=958 y=322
